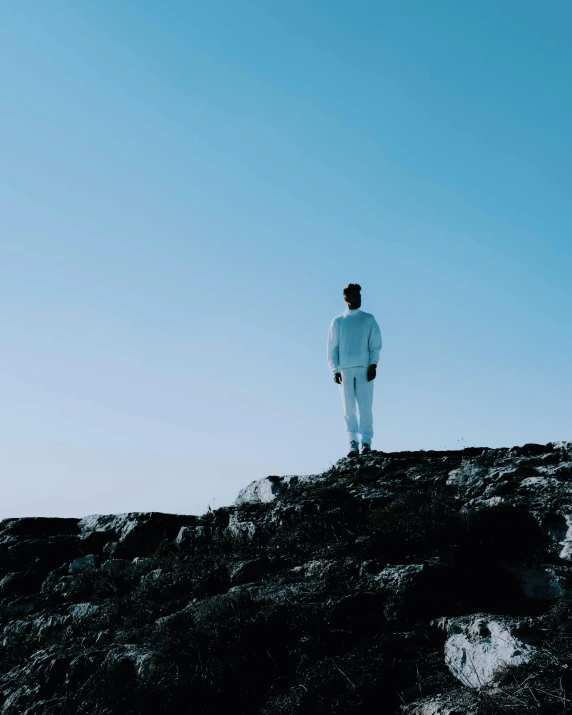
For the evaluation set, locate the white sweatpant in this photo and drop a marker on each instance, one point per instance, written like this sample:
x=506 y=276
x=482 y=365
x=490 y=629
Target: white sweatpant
x=357 y=392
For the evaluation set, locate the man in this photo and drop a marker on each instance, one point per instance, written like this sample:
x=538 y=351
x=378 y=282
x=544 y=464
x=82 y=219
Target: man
x=354 y=344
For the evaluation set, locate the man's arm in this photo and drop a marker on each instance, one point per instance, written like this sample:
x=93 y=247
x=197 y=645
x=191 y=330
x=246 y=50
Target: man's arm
x=374 y=343
x=333 y=349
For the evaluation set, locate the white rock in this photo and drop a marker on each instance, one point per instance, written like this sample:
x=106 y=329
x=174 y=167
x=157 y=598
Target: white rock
x=566 y=543
x=478 y=647
x=265 y=490
x=456 y=702
x=189 y=534
x=262 y=491
x=118 y=523
x=238 y=528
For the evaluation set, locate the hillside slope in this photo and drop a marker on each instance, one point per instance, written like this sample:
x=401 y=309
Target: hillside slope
x=422 y=583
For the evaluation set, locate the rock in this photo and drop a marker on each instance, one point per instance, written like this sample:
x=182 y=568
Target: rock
x=248 y=571
x=38 y=527
x=546 y=582
x=457 y=702
x=399 y=578
x=21 y=582
x=317 y=568
x=135 y=533
x=566 y=542
x=32 y=630
x=408 y=579
x=80 y=611
x=263 y=491
x=130 y=659
x=83 y=564
x=57 y=586
x=260 y=491
x=270 y=593
x=189 y=535
x=412 y=591
x=23 y=606
x=154 y=575
x=479 y=647
x=145 y=564
x=50 y=552
x=242 y=529
x=94 y=541
x=111 y=549
x=14 y=631
x=119 y=567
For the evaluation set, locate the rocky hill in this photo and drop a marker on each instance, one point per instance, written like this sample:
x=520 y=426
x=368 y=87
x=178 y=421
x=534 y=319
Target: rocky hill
x=420 y=583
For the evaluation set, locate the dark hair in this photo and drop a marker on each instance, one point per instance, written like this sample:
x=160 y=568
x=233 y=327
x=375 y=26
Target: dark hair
x=352 y=288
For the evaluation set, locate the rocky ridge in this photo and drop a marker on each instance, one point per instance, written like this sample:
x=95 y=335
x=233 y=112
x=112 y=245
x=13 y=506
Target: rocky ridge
x=421 y=583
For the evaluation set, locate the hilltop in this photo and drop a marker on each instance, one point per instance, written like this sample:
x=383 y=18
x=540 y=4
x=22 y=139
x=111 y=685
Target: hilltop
x=419 y=583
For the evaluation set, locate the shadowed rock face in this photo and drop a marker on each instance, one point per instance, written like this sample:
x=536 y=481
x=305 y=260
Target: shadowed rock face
x=421 y=582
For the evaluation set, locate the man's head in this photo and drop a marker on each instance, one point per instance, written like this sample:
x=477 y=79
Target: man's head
x=352 y=295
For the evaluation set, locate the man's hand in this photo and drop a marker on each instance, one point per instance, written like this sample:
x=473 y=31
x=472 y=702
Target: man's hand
x=338 y=378
x=371 y=372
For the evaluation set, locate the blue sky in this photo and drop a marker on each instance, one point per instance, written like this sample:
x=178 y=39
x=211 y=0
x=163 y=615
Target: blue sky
x=186 y=187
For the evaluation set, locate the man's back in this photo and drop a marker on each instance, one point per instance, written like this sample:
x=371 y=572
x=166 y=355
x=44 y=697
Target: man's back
x=354 y=340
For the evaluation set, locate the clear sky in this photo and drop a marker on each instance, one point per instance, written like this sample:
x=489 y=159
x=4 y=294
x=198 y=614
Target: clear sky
x=186 y=187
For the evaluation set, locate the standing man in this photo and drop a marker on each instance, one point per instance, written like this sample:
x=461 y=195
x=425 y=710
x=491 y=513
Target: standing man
x=354 y=344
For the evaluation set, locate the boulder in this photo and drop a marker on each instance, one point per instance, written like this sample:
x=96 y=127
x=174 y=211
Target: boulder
x=263 y=491
x=57 y=587
x=32 y=630
x=189 y=535
x=242 y=529
x=260 y=491
x=544 y=582
x=46 y=553
x=480 y=646
x=38 y=527
x=135 y=533
x=83 y=564
x=21 y=582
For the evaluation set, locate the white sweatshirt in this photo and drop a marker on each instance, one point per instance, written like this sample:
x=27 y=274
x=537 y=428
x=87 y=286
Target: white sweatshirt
x=354 y=340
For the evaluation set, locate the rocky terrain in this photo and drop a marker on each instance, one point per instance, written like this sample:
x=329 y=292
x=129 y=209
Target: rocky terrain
x=419 y=583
